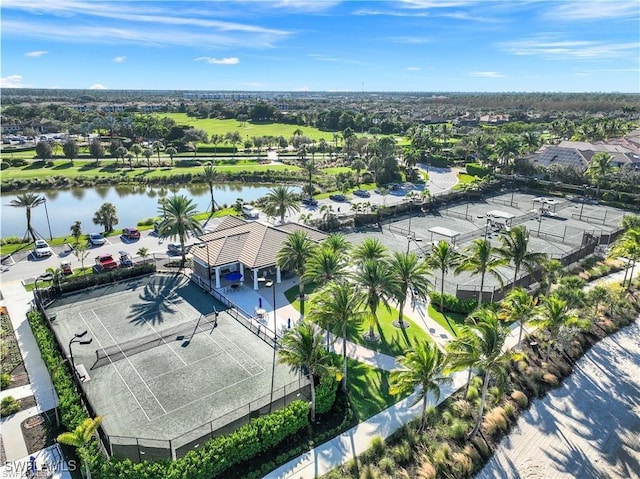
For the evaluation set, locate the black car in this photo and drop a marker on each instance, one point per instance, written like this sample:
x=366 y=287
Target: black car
x=309 y=201
x=338 y=198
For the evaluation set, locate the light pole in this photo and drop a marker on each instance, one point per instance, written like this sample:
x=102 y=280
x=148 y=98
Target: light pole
x=80 y=338
x=410 y=215
x=584 y=199
x=46 y=212
x=271 y=284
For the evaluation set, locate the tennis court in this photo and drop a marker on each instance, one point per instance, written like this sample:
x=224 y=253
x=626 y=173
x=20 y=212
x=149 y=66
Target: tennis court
x=161 y=362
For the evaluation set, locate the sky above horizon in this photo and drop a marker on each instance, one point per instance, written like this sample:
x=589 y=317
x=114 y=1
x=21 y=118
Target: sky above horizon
x=323 y=45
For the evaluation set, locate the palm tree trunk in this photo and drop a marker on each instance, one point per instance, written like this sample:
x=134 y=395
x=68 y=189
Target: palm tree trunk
x=633 y=267
x=442 y=293
x=424 y=413
x=401 y=313
x=313 y=399
x=481 y=288
x=30 y=231
x=344 y=359
x=483 y=399
x=468 y=380
x=213 y=203
x=301 y=294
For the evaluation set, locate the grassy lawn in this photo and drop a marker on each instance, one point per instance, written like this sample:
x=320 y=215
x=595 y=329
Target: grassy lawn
x=449 y=321
x=363 y=186
x=465 y=178
x=337 y=169
x=393 y=341
x=368 y=390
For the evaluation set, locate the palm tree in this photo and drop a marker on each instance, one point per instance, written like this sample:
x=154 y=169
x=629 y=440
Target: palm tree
x=157 y=146
x=422 y=366
x=599 y=167
x=215 y=141
x=106 y=216
x=515 y=249
x=552 y=269
x=171 y=151
x=443 y=256
x=136 y=149
x=147 y=154
x=179 y=220
x=478 y=258
x=209 y=175
x=337 y=242
x=481 y=346
x=80 y=251
x=301 y=349
x=370 y=248
x=378 y=285
x=324 y=265
x=554 y=315
x=411 y=274
x=293 y=255
x=279 y=201
x=28 y=201
x=507 y=147
x=628 y=246
x=80 y=438
x=336 y=307
x=520 y=306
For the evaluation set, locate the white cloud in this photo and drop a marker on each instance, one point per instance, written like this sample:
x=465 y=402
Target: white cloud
x=97 y=86
x=327 y=58
x=219 y=61
x=486 y=74
x=119 y=59
x=410 y=40
x=305 y=5
x=12 y=81
x=552 y=48
x=37 y=53
x=594 y=10
x=413 y=69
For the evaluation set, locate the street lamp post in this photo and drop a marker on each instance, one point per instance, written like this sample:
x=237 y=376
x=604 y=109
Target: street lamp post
x=271 y=284
x=80 y=338
x=410 y=216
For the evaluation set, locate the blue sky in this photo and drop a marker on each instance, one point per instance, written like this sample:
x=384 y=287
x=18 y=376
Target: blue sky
x=323 y=45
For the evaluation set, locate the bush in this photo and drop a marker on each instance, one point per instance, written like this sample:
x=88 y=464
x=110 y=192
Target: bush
x=495 y=421
x=472 y=393
x=9 y=406
x=326 y=394
x=146 y=222
x=17 y=162
x=4 y=165
x=11 y=240
x=453 y=304
x=5 y=380
x=476 y=169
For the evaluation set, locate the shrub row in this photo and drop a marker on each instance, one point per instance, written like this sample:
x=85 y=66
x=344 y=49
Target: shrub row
x=476 y=169
x=326 y=394
x=452 y=304
x=75 y=283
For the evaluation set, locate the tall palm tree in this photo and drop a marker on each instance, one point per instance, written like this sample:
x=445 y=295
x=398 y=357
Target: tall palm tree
x=378 y=285
x=336 y=307
x=443 y=257
x=279 y=201
x=157 y=146
x=301 y=349
x=337 y=242
x=479 y=258
x=482 y=348
x=552 y=269
x=507 y=148
x=28 y=201
x=171 y=151
x=179 y=220
x=136 y=149
x=422 y=366
x=293 y=255
x=515 y=249
x=209 y=175
x=518 y=305
x=628 y=246
x=325 y=265
x=370 y=248
x=411 y=274
x=80 y=438
x=554 y=314
x=599 y=167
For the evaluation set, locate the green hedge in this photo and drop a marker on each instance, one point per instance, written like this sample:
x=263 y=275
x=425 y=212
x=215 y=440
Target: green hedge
x=326 y=394
x=453 y=304
x=75 y=283
x=476 y=169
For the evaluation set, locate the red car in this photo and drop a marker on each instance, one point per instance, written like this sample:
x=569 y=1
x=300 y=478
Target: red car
x=105 y=262
x=131 y=233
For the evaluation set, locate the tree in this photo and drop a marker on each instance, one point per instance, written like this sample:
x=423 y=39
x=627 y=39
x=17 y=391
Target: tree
x=209 y=175
x=443 y=256
x=599 y=168
x=628 y=246
x=370 y=248
x=515 y=249
x=554 y=315
x=336 y=307
x=520 y=306
x=481 y=346
x=507 y=148
x=171 y=151
x=215 y=141
x=80 y=438
x=121 y=152
x=81 y=251
x=43 y=150
x=76 y=231
x=478 y=258
x=411 y=274
x=157 y=146
x=301 y=349
x=324 y=265
x=294 y=254
x=70 y=149
x=279 y=201
x=28 y=201
x=147 y=154
x=137 y=150
x=96 y=149
x=337 y=242
x=423 y=366
x=179 y=220
x=143 y=253
x=106 y=216
x=378 y=285
x=552 y=269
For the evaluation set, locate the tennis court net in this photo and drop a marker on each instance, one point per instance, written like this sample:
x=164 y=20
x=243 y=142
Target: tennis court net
x=180 y=332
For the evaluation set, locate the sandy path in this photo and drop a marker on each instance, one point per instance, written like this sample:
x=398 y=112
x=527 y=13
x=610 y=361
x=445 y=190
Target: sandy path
x=589 y=428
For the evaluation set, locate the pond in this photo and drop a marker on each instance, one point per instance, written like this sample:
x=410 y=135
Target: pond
x=133 y=203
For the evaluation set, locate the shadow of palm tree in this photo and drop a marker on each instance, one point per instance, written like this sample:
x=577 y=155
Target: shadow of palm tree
x=158 y=299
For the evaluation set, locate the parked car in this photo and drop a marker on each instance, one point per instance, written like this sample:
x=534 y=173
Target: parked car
x=97 y=239
x=65 y=266
x=174 y=249
x=105 y=262
x=125 y=259
x=362 y=193
x=309 y=201
x=42 y=248
x=131 y=233
x=250 y=212
x=338 y=197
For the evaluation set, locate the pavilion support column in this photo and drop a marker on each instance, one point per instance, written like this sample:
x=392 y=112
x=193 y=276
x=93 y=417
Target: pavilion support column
x=241 y=272
x=217 y=276
x=278 y=275
x=255 y=279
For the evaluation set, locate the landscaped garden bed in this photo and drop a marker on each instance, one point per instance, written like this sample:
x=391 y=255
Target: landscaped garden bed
x=14 y=373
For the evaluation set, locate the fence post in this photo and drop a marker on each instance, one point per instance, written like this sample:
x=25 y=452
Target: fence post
x=172 y=451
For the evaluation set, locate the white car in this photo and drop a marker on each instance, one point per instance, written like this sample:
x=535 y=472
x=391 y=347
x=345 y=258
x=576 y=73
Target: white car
x=97 y=239
x=42 y=248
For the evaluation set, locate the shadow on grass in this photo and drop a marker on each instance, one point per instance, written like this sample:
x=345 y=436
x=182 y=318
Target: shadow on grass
x=63 y=166
x=89 y=166
x=368 y=389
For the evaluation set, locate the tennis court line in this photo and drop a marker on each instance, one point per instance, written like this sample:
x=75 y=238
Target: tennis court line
x=167 y=344
x=114 y=367
x=212 y=338
x=130 y=363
